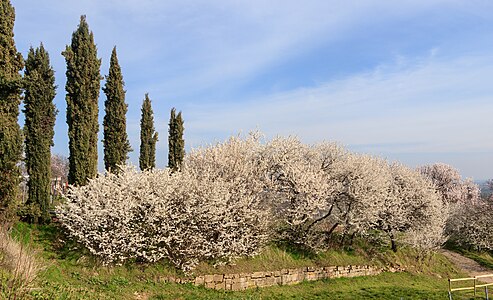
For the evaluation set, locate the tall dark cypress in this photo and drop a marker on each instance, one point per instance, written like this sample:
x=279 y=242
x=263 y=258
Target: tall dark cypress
x=83 y=83
x=11 y=63
x=115 y=142
x=40 y=113
x=148 y=137
x=176 y=144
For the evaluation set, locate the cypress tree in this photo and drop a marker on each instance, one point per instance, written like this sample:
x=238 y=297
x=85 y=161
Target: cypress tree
x=83 y=83
x=148 y=137
x=11 y=63
x=115 y=142
x=40 y=113
x=176 y=144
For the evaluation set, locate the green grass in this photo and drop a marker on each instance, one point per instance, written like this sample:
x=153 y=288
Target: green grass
x=72 y=273
x=274 y=258
x=385 y=286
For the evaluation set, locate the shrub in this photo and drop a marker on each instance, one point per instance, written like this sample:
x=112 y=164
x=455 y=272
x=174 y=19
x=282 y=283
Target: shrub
x=18 y=267
x=212 y=210
x=228 y=197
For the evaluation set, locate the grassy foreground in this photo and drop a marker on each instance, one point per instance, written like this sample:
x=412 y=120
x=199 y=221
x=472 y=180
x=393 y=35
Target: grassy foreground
x=70 y=273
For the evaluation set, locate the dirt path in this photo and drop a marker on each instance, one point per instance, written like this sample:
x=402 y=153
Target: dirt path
x=468 y=265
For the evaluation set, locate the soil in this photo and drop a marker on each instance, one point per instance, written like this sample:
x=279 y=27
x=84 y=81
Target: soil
x=468 y=265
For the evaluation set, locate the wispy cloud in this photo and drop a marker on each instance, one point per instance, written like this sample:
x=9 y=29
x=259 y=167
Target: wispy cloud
x=422 y=106
x=400 y=77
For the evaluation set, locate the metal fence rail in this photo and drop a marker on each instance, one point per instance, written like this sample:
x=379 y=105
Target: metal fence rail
x=476 y=284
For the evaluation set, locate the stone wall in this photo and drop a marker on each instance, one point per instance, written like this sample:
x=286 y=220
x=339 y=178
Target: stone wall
x=242 y=281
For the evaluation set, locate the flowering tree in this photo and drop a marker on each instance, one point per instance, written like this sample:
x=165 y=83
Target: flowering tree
x=212 y=210
x=473 y=226
x=228 y=197
x=59 y=167
x=448 y=181
x=364 y=181
x=300 y=190
x=322 y=187
x=412 y=210
x=458 y=196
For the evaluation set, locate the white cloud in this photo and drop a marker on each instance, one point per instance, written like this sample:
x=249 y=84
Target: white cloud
x=175 y=49
x=424 y=106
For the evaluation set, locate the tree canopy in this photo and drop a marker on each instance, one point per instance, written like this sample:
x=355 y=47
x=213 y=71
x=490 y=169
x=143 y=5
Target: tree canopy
x=115 y=142
x=40 y=113
x=148 y=136
x=83 y=83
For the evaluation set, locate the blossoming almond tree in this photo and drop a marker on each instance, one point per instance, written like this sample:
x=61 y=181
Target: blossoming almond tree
x=212 y=210
x=457 y=194
x=412 y=209
x=228 y=197
x=297 y=181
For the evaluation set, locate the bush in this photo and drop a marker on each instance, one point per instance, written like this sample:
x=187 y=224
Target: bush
x=212 y=210
x=228 y=197
x=18 y=267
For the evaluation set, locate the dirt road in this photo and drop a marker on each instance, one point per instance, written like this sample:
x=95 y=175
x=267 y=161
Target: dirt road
x=468 y=265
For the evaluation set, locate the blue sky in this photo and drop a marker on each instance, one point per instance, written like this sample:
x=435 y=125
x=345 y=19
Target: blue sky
x=408 y=80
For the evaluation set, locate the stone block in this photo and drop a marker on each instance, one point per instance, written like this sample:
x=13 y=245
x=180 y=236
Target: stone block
x=259 y=282
x=257 y=274
x=218 y=278
x=220 y=286
x=289 y=279
x=250 y=283
x=208 y=278
x=236 y=287
x=270 y=281
x=310 y=276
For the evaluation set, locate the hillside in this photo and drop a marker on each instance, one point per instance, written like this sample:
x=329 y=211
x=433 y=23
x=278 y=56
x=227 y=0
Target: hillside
x=71 y=273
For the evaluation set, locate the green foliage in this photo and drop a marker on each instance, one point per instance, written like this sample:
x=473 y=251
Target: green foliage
x=40 y=113
x=115 y=142
x=148 y=137
x=83 y=82
x=176 y=144
x=11 y=63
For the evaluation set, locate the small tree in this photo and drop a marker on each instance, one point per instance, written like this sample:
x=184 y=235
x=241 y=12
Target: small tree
x=11 y=63
x=83 y=82
x=115 y=142
x=413 y=211
x=457 y=195
x=449 y=183
x=40 y=115
x=59 y=167
x=176 y=144
x=148 y=137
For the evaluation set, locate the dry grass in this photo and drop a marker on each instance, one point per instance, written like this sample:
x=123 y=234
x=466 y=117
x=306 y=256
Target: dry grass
x=18 y=267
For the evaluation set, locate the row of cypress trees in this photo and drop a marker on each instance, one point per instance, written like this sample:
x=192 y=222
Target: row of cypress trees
x=149 y=137
x=82 y=87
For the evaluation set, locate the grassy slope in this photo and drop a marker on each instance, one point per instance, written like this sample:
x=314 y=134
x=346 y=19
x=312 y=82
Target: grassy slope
x=71 y=274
